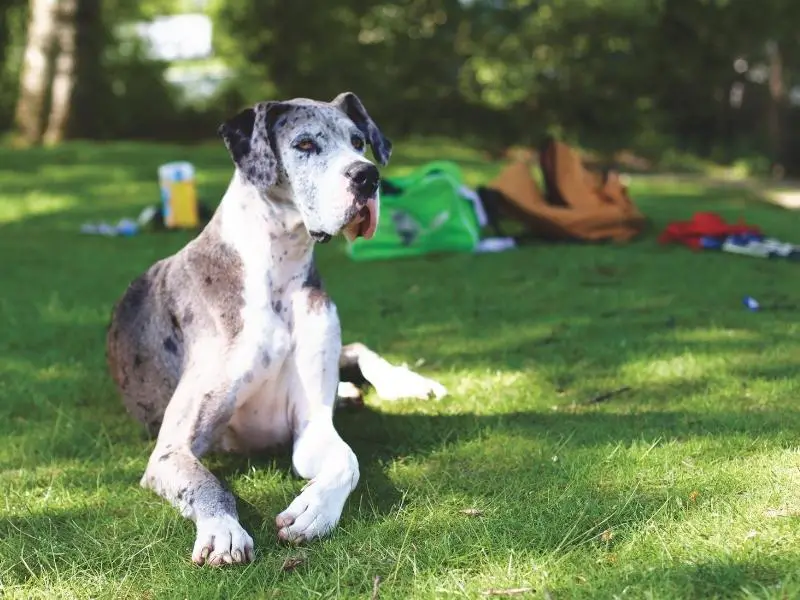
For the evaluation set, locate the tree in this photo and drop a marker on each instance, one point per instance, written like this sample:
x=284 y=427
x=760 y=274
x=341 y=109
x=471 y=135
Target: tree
x=36 y=72
x=62 y=62
x=63 y=72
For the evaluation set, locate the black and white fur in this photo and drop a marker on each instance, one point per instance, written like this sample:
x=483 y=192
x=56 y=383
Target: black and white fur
x=232 y=344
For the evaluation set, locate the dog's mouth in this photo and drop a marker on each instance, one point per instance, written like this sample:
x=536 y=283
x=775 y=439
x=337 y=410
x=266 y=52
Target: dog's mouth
x=364 y=223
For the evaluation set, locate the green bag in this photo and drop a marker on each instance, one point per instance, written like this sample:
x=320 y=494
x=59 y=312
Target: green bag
x=421 y=213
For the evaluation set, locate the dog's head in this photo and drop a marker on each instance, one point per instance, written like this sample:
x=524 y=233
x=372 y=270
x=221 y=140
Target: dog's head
x=312 y=154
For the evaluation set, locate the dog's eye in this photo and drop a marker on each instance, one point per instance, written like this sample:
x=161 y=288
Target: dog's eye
x=357 y=142
x=306 y=146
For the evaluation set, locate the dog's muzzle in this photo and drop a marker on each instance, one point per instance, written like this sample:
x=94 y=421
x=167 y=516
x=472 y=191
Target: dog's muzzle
x=364 y=180
x=364 y=223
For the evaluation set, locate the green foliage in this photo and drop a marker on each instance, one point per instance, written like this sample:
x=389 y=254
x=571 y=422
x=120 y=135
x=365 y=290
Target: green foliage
x=127 y=95
x=140 y=103
x=652 y=76
x=613 y=73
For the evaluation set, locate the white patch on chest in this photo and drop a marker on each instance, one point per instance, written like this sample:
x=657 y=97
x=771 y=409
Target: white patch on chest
x=257 y=358
x=265 y=340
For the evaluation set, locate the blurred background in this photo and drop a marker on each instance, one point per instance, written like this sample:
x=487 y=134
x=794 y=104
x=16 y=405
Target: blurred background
x=660 y=83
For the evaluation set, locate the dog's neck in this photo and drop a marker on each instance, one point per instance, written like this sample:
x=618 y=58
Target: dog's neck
x=264 y=228
x=264 y=221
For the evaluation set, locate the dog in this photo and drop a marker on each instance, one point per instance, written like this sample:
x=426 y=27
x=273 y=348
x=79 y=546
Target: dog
x=231 y=344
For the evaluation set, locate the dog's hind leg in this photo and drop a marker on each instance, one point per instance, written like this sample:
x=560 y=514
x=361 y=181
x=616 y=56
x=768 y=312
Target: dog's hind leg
x=319 y=454
x=199 y=410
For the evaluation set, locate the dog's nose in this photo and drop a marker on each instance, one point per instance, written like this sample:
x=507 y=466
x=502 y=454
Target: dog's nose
x=365 y=178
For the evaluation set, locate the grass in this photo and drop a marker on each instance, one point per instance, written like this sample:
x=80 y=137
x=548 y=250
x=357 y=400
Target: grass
x=686 y=486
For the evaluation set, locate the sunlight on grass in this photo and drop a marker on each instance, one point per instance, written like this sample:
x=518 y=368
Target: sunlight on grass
x=55 y=312
x=688 y=366
x=19 y=369
x=17 y=208
x=715 y=335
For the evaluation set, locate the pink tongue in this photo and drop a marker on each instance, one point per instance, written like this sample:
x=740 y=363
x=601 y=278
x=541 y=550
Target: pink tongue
x=373 y=220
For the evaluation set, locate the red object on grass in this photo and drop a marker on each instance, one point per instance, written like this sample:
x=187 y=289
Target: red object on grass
x=703 y=224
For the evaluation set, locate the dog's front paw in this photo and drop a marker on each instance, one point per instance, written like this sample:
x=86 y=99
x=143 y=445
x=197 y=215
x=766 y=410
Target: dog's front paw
x=222 y=541
x=312 y=514
x=401 y=383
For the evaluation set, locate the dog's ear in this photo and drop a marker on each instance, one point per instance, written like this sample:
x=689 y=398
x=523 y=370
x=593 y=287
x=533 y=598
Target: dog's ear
x=351 y=105
x=249 y=139
x=236 y=133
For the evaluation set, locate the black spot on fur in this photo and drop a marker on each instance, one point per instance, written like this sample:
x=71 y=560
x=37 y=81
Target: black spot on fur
x=349 y=369
x=127 y=312
x=164 y=456
x=173 y=321
x=320 y=236
x=313 y=279
x=318 y=300
x=266 y=359
x=170 y=346
x=277 y=306
x=137 y=361
x=137 y=292
x=181 y=492
x=248 y=377
x=208 y=280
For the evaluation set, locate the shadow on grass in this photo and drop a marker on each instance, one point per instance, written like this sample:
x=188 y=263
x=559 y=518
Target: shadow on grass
x=570 y=508
x=709 y=578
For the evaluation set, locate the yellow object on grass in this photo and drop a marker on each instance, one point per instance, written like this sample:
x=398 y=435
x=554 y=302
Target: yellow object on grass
x=178 y=194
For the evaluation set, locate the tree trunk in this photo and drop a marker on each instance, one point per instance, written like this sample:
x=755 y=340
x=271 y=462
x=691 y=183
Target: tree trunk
x=777 y=93
x=64 y=74
x=92 y=88
x=36 y=71
x=4 y=34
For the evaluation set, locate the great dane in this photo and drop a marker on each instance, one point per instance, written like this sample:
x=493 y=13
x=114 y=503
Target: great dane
x=232 y=344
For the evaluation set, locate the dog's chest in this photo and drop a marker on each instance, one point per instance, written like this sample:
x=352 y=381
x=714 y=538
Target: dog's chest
x=265 y=339
x=262 y=417
x=271 y=276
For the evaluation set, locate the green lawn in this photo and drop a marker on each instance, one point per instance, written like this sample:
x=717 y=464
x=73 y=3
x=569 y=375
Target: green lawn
x=686 y=486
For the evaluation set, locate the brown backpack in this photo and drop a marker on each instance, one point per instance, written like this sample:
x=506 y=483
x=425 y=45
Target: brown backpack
x=579 y=204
